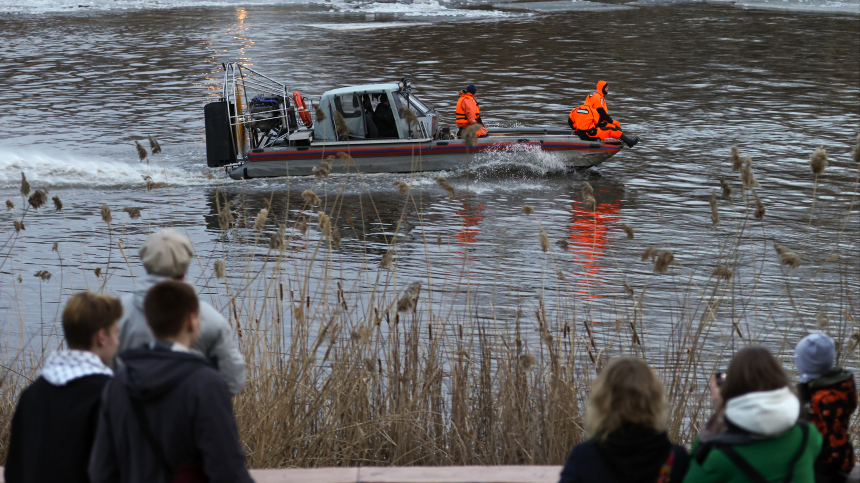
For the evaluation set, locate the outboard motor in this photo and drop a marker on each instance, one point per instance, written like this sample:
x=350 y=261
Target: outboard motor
x=220 y=145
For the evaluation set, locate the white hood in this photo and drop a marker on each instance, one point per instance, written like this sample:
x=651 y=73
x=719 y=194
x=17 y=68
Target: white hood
x=766 y=413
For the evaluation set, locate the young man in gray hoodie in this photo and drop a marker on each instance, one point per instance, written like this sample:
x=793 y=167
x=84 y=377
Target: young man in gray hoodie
x=166 y=255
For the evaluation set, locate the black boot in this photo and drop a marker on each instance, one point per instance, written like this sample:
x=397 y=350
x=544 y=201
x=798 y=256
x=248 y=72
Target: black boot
x=630 y=141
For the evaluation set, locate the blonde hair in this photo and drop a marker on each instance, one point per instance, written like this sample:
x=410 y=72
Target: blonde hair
x=626 y=391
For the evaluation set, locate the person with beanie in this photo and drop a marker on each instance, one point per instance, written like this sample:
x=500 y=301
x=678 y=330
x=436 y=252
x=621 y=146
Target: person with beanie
x=469 y=112
x=828 y=395
x=166 y=255
x=763 y=439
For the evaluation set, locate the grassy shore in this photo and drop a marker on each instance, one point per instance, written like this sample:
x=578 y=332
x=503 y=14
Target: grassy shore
x=360 y=367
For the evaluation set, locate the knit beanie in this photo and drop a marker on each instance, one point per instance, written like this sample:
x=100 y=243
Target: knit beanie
x=471 y=89
x=166 y=253
x=815 y=354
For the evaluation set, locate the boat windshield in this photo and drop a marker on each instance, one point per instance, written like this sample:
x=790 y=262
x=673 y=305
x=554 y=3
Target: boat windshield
x=420 y=109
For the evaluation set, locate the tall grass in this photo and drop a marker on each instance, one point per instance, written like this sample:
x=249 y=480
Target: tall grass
x=352 y=362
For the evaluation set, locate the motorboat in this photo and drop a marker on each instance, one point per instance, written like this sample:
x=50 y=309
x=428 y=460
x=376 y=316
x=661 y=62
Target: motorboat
x=257 y=129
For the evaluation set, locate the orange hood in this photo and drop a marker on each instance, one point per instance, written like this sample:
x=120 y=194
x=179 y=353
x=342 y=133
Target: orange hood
x=601 y=85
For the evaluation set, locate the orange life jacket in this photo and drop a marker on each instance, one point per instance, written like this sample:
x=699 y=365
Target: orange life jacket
x=468 y=111
x=584 y=117
x=596 y=99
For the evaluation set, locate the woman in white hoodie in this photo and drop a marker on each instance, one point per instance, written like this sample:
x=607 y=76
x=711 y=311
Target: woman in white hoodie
x=762 y=440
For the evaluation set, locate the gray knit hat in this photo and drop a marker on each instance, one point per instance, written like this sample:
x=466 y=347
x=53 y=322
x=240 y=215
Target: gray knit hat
x=815 y=354
x=166 y=253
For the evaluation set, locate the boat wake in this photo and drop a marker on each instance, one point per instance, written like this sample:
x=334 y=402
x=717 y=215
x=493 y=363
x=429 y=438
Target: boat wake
x=45 y=169
x=523 y=161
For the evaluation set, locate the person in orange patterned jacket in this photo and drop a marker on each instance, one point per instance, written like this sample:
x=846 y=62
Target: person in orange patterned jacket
x=829 y=396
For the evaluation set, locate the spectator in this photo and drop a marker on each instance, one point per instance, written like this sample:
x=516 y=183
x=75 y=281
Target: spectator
x=626 y=422
x=166 y=255
x=828 y=396
x=55 y=421
x=167 y=416
x=762 y=440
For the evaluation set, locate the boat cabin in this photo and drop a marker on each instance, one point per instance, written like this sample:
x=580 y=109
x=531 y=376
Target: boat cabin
x=374 y=112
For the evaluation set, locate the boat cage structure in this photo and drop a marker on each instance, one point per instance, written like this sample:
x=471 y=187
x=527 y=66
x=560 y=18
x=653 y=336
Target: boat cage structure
x=254 y=111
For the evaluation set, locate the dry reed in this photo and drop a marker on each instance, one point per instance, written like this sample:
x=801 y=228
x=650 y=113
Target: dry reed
x=106 y=214
x=383 y=373
x=818 y=161
x=736 y=160
x=320 y=114
x=340 y=126
x=747 y=176
x=154 y=147
x=58 y=204
x=402 y=187
x=759 y=207
x=141 y=151
x=38 y=199
x=311 y=198
x=260 y=221
x=133 y=212
x=727 y=188
x=627 y=230
x=715 y=212
x=528 y=209
x=25 y=186
x=445 y=185
x=544 y=240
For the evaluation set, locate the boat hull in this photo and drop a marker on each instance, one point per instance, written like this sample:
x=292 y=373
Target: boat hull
x=380 y=156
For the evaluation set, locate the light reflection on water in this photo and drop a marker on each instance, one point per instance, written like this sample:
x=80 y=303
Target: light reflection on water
x=78 y=89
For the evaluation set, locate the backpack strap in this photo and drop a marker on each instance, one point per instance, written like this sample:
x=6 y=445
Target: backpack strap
x=753 y=474
x=746 y=468
x=804 y=431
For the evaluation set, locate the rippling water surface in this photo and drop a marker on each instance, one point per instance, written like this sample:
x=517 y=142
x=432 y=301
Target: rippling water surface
x=692 y=80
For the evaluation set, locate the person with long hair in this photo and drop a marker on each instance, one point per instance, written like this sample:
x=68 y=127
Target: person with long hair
x=762 y=438
x=626 y=424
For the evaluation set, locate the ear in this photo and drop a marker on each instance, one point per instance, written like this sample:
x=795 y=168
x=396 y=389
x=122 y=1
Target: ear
x=99 y=338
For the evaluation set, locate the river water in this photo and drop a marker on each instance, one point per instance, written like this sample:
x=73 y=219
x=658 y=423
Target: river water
x=80 y=84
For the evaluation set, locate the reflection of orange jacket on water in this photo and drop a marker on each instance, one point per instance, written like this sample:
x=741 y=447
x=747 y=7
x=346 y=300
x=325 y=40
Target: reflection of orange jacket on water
x=468 y=112
x=587 y=123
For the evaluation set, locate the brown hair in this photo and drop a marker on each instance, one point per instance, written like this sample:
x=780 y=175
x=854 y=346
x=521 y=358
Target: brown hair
x=167 y=305
x=85 y=314
x=752 y=369
x=626 y=391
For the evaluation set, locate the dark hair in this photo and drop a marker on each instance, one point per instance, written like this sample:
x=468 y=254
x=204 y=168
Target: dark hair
x=167 y=305
x=752 y=369
x=85 y=314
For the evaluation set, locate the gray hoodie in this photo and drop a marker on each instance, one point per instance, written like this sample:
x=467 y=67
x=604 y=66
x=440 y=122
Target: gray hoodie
x=216 y=340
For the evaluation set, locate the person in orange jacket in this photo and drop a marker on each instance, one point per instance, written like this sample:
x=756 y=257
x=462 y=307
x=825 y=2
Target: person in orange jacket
x=597 y=123
x=468 y=111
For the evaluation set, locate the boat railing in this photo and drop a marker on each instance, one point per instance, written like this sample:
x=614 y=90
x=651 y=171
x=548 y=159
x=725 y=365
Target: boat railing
x=261 y=110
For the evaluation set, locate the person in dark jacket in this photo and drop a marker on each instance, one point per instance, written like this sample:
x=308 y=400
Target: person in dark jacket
x=828 y=397
x=55 y=421
x=626 y=421
x=167 y=415
x=384 y=118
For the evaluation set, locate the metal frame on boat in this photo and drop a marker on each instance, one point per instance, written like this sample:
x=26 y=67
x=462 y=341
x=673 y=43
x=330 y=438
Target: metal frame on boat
x=257 y=129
